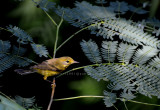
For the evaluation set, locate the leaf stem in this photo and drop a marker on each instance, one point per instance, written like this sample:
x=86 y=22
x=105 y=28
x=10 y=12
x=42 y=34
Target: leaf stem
x=142 y=103
x=57 y=35
x=51 y=18
x=71 y=37
x=125 y=104
x=4 y=29
x=91 y=96
x=74 y=69
x=77 y=97
x=81 y=67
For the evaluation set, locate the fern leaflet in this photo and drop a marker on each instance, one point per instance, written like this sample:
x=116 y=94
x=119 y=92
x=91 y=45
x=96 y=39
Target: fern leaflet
x=25 y=102
x=40 y=50
x=129 y=70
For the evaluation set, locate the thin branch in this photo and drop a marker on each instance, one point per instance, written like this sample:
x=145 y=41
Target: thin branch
x=142 y=103
x=125 y=104
x=52 y=94
x=91 y=96
x=51 y=18
x=4 y=29
x=115 y=107
x=49 y=56
x=81 y=67
x=77 y=97
x=72 y=37
x=57 y=35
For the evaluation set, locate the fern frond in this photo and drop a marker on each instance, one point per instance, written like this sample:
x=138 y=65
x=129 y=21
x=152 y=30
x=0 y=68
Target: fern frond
x=121 y=7
x=109 y=50
x=25 y=102
x=155 y=62
x=156 y=31
x=92 y=13
x=4 y=48
x=151 y=80
x=23 y=61
x=137 y=10
x=125 y=52
x=8 y=104
x=19 y=51
x=143 y=55
x=36 y=107
x=40 y=50
x=94 y=73
x=153 y=22
x=22 y=36
x=91 y=50
x=6 y=62
x=127 y=96
x=45 y=4
x=89 y=16
x=114 y=86
x=126 y=30
x=129 y=76
x=101 y=1
x=110 y=98
x=10 y=56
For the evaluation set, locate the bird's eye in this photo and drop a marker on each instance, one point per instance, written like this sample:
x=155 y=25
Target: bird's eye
x=67 y=61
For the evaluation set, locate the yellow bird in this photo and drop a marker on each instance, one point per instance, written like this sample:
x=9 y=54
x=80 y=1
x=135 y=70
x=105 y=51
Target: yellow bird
x=49 y=67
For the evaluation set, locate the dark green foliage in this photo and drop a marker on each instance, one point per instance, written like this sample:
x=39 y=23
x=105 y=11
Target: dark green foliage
x=9 y=104
x=25 y=102
x=103 y=22
x=23 y=37
x=109 y=50
x=44 y=4
x=131 y=73
x=10 y=56
x=131 y=63
x=4 y=48
x=40 y=50
x=101 y=1
x=126 y=30
x=128 y=96
x=92 y=51
x=18 y=103
x=110 y=98
x=13 y=55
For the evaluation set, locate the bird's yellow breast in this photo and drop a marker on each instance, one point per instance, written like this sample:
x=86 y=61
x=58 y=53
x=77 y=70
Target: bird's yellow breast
x=47 y=73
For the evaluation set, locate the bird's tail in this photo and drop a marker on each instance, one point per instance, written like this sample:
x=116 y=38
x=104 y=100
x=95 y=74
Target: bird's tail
x=24 y=72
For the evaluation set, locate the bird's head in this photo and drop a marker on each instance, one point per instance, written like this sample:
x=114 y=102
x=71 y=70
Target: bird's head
x=62 y=63
x=66 y=61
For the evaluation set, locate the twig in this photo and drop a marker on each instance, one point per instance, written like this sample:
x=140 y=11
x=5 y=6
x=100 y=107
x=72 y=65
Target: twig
x=125 y=104
x=77 y=97
x=52 y=94
x=72 y=37
x=57 y=35
x=91 y=96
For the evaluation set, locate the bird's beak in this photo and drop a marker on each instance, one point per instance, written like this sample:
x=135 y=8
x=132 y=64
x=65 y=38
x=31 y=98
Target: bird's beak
x=75 y=62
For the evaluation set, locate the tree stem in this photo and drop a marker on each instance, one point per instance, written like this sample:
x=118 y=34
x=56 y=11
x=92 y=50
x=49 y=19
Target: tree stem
x=52 y=94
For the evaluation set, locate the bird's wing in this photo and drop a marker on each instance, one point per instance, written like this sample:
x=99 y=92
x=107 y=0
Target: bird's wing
x=45 y=66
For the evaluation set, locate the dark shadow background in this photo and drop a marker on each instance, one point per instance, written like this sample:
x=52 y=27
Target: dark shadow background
x=34 y=21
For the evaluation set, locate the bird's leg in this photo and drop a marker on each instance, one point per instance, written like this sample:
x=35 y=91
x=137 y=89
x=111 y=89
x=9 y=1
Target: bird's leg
x=53 y=83
x=49 y=81
x=45 y=77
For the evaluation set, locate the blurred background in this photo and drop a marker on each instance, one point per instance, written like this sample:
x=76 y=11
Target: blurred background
x=35 y=22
